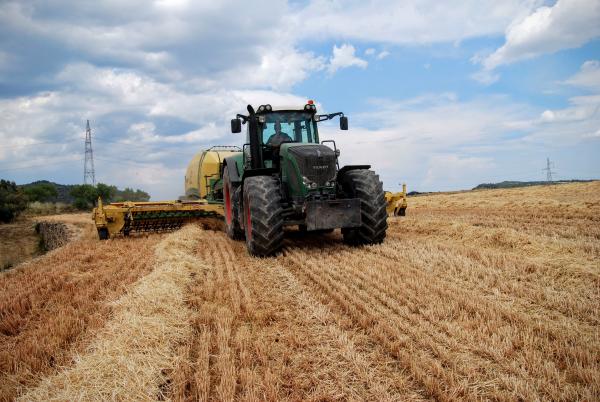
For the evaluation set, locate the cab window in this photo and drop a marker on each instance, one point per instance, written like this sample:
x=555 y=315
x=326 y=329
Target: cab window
x=289 y=126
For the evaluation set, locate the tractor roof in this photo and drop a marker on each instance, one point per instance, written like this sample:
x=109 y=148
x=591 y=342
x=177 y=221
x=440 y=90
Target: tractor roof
x=286 y=108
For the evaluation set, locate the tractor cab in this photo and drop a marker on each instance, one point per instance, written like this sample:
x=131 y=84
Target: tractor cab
x=282 y=128
x=287 y=126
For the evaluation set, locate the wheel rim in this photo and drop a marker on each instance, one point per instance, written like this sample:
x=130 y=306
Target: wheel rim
x=248 y=220
x=227 y=205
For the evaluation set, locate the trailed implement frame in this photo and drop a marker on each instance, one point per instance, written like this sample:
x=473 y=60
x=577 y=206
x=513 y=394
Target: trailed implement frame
x=123 y=218
x=396 y=202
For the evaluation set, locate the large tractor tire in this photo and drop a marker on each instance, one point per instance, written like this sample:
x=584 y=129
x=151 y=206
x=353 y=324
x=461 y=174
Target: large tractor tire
x=365 y=185
x=231 y=201
x=263 y=219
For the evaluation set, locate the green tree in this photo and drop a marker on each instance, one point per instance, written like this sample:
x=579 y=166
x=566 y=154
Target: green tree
x=41 y=192
x=106 y=192
x=129 y=194
x=12 y=201
x=85 y=196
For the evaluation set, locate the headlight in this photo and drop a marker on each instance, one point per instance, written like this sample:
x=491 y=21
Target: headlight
x=308 y=183
x=261 y=108
x=268 y=108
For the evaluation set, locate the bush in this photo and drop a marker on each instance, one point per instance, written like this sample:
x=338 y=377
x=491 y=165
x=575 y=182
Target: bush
x=12 y=201
x=85 y=196
x=41 y=192
x=129 y=194
x=48 y=208
x=106 y=192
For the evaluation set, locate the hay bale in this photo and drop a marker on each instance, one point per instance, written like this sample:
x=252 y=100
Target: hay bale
x=52 y=234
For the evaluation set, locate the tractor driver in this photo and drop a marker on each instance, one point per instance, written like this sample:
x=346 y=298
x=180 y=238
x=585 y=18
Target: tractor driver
x=279 y=137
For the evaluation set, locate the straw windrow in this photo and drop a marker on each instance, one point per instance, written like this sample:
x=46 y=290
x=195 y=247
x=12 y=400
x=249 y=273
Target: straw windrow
x=130 y=356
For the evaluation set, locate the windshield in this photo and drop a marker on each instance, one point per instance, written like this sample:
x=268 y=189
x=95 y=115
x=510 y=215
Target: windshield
x=288 y=126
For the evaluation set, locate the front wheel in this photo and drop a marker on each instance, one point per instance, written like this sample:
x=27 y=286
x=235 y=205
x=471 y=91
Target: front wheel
x=365 y=185
x=263 y=219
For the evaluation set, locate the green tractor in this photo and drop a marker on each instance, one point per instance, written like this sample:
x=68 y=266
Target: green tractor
x=286 y=176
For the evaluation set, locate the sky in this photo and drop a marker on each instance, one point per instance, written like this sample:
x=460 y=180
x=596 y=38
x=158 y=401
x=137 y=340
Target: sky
x=439 y=95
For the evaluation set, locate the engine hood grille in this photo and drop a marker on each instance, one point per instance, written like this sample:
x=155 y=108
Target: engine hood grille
x=316 y=162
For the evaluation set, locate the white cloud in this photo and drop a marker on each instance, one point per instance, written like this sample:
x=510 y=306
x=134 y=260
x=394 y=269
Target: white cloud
x=588 y=76
x=137 y=68
x=581 y=118
x=452 y=168
x=485 y=77
x=343 y=57
x=408 y=22
x=382 y=55
x=566 y=24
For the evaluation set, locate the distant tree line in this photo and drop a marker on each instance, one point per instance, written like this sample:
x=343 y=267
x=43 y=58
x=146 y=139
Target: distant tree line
x=14 y=199
x=515 y=184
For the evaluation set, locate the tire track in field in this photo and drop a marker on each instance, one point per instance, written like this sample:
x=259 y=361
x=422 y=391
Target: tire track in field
x=422 y=360
x=554 y=377
x=533 y=337
x=509 y=280
x=398 y=307
x=285 y=344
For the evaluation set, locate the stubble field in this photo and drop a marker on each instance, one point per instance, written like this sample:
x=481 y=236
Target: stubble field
x=477 y=295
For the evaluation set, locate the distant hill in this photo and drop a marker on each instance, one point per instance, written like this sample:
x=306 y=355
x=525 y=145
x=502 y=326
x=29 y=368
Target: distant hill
x=63 y=191
x=513 y=184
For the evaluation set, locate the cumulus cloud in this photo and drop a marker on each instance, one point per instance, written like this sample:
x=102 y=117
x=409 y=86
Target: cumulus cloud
x=344 y=57
x=382 y=55
x=566 y=24
x=409 y=22
x=160 y=80
x=581 y=118
x=588 y=76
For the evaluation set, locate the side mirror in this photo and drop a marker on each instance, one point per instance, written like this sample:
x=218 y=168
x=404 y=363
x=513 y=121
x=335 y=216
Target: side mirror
x=236 y=125
x=343 y=123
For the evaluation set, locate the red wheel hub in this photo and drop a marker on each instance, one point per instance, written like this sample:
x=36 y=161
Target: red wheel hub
x=227 y=205
x=248 y=220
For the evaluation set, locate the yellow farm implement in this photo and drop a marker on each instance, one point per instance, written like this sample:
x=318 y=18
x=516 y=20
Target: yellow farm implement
x=396 y=202
x=123 y=218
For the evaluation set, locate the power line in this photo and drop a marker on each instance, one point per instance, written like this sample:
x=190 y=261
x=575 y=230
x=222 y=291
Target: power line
x=42 y=165
x=33 y=144
x=148 y=146
x=549 y=171
x=88 y=166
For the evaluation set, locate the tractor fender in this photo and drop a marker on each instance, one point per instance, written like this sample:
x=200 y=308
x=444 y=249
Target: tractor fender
x=257 y=172
x=231 y=165
x=348 y=168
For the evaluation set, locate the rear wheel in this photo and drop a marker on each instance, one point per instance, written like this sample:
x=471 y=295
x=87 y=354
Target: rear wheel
x=263 y=220
x=231 y=200
x=365 y=185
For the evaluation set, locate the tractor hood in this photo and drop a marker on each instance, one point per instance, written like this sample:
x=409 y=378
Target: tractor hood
x=315 y=163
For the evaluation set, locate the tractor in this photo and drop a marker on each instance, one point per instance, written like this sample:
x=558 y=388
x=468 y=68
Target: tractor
x=286 y=176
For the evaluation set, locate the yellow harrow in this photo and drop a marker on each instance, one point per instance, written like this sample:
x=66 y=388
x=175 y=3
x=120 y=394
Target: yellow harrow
x=396 y=202
x=123 y=218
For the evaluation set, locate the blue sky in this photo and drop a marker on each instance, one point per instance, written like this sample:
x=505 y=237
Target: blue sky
x=440 y=95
